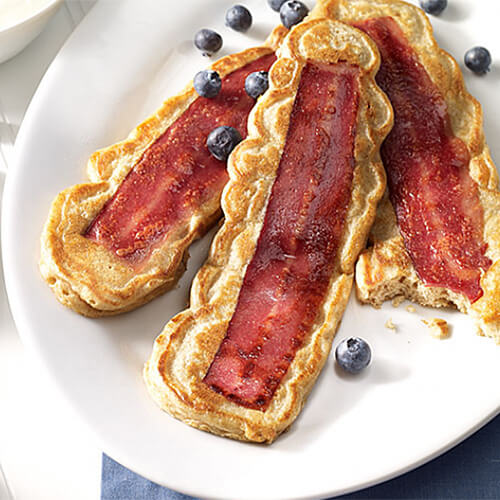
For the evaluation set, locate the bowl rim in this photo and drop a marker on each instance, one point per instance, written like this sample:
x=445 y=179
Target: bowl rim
x=38 y=13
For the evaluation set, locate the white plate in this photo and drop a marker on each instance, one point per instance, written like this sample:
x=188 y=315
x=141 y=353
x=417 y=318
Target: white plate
x=419 y=397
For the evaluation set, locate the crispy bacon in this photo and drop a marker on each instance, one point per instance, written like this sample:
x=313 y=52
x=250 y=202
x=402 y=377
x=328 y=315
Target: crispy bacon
x=437 y=203
x=296 y=254
x=176 y=175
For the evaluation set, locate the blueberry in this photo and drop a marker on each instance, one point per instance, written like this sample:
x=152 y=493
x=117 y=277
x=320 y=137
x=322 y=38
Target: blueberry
x=292 y=12
x=238 y=18
x=222 y=140
x=276 y=4
x=207 y=83
x=434 y=7
x=353 y=354
x=208 y=41
x=257 y=83
x=478 y=60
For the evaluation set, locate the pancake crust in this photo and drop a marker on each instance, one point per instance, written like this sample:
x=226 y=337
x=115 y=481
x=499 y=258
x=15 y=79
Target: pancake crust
x=83 y=274
x=385 y=270
x=183 y=352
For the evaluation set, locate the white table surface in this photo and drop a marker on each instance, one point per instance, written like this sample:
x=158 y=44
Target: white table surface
x=45 y=451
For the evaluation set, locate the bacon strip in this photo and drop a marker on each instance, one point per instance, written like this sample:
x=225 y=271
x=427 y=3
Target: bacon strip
x=176 y=175
x=287 y=278
x=437 y=203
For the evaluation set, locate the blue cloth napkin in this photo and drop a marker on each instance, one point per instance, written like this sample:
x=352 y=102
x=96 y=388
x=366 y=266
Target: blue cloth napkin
x=470 y=471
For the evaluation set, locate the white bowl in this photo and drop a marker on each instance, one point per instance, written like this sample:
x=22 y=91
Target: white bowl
x=14 y=38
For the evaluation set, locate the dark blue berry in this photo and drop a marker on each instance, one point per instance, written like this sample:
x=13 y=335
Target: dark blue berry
x=207 y=83
x=292 y=12
x=478 y=60
x=353 y=354
x=239 y=18
x=276 y=4
x=434 y=7
x=208 y=41
x=222 y=140
x=257 y=83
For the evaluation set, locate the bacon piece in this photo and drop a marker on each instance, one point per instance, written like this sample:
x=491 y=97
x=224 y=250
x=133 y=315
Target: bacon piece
x=176 y=174
x=287 y=278
x=436 y=202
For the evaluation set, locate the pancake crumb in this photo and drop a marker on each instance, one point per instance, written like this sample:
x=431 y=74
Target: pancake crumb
x=390 y=325
x=397 y=301
x=438 y=328
x=411 y=309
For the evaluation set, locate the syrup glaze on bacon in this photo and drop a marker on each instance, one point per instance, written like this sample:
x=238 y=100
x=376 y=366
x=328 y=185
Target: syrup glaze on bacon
x=176 y=174
x=436 y=202
x=296 y=253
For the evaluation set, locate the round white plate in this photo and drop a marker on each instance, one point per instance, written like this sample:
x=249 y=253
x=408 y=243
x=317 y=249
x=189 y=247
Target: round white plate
x=420 y=395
